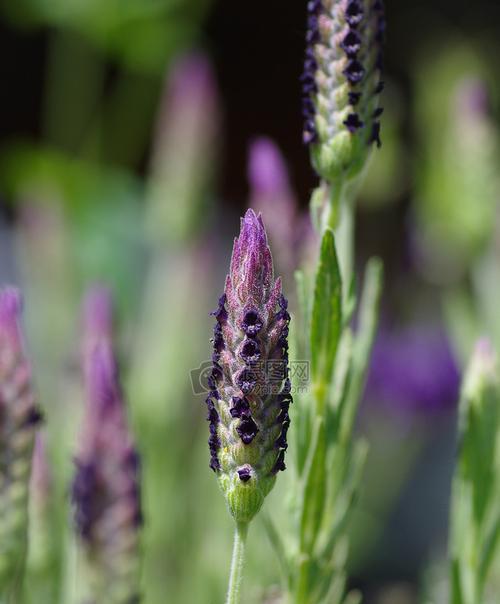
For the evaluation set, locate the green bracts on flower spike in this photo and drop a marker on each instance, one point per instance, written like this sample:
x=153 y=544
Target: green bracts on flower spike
x=19 y=418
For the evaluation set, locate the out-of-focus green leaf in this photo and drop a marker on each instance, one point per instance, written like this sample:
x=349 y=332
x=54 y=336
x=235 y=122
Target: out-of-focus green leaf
x=368 y=321
x=278 y=546
x=141 y=34
x=326 y=317
x=315 y=487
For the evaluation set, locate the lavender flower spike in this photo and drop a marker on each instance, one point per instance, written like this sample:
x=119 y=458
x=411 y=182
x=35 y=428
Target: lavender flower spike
x=106 y=485
x=342 y=82
x=250 y=388
x=19 y=419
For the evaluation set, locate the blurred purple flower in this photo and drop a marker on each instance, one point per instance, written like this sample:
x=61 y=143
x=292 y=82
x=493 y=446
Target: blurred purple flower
x=271 y=195
x=106 y=485
x=19 y=420
x=413 y=371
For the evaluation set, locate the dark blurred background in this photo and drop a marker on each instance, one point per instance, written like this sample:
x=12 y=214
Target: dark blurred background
x=258 y=54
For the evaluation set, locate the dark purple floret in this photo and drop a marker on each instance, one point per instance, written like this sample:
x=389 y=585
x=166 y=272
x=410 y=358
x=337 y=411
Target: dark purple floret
x=281 y=442
x=351 y=43
x=213 y=441
x=34 y=417
x=221 y=313
x=250 y=352
x=353 y=123
x=279 y=466
x=246 y=381
x=247 y=430
x=252 y=323
x=287 y=388
x=240 y=407
x=378 y=112
x=218 y=339
x=84 y=488
x=375 y=135
x=310 y=135
x=354 y=98
x=214 y=464
x=354 y=13
x=215 y=376
x=245 y=474
x=354 y=71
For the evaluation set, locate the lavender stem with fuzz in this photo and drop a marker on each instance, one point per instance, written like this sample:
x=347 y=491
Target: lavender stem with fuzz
x=19 y=419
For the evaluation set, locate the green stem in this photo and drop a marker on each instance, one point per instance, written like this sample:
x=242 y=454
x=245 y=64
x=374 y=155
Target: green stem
x=344 y=239
x=236 y=575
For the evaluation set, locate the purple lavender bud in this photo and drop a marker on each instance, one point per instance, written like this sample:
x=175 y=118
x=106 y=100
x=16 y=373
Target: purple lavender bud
x=341 y=83
x=97 y=315
x=106 y=491
x=250 y=390
x=19 y=419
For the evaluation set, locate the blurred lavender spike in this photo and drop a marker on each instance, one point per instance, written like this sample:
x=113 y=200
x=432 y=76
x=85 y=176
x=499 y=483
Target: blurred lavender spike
x=249 y=386
x=272 y=196
x=342 y=83
x=19 y=419
x=106 y=492
x=185 y=149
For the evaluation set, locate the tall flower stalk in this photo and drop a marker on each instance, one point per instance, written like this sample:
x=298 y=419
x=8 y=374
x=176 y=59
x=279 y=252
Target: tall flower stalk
x=341 y=88
x=249 y=385
x=19 y=419
x=341 y=84
x=106 y=485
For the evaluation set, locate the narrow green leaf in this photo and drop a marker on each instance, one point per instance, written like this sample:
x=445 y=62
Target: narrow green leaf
x=490 y=548
x=326 y=320
x=340 y=384
x=343 y=502
x=368 y=321
x=315 y=488
x=456 y=588
x=279 y=548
